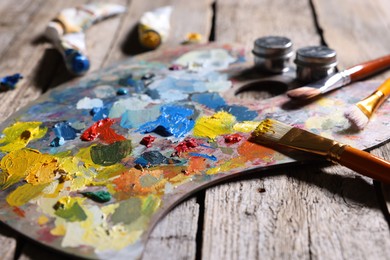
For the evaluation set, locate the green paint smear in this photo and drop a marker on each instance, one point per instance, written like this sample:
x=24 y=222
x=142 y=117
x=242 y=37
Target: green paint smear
x=107 y=155
x=227 y=150
x=150 y=205
x=127 y=212
x=148 y=180
x=72 y=213
x=98 y=196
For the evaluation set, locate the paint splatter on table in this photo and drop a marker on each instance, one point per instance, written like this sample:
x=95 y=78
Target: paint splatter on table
x=90 y=167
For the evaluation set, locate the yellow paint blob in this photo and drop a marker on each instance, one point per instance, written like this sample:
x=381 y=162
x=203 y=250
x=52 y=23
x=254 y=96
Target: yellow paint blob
x=18 y=135
x=59 y=230
x=42 y=220
x=28 y=164
x=246 y=126
x=23 y=194
x=212 y=126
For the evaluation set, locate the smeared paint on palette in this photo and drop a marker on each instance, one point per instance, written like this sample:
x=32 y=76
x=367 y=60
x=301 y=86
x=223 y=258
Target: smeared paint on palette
x=91 y=166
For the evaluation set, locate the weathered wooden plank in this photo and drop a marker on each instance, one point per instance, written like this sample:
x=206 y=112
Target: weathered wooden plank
x=304 y=212
x=359 y=32
x=13 y=19
x=27 y=55
x=174 y=236
x=7 y=248
x=187 y=16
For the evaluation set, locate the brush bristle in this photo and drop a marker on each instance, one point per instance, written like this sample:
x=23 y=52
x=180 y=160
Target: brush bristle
x=356 y=117
x=270 y=130
x=303 y=93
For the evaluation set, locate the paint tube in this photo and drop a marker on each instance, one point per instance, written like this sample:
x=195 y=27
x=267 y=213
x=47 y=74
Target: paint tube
x=10 y=82
x=154 y=27
x=73 y=50
x=78 y=19
x=66 y=31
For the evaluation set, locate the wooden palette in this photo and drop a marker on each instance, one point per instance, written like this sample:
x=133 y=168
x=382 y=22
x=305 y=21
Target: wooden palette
x=91 y=166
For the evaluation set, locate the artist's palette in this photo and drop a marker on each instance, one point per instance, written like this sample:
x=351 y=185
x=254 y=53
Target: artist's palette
x=91 y=166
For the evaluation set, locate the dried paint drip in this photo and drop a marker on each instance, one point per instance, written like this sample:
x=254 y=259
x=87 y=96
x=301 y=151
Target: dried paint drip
x=119 y=161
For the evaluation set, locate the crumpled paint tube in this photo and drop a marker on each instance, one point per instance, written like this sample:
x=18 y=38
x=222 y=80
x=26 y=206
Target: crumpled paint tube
x=66 y=31
x=154 y=27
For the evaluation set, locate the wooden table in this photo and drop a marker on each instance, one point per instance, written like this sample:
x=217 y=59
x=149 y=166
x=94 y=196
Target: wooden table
x=324 y=212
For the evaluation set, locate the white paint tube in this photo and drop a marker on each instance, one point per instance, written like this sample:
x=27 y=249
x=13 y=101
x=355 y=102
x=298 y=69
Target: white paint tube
x=66 y=32
x=154 y=27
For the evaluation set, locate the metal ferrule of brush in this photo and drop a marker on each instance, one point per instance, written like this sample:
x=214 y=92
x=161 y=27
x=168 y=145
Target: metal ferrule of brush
x=335 y=152
x=309 y=142
x=371 y=103
x=333 y=82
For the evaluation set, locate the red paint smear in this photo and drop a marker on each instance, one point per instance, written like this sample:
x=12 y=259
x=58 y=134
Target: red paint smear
x=148 y=140
x=232 y=139
x=102 y=130
x=45 y=235
x=19 y=212
x=186 y=145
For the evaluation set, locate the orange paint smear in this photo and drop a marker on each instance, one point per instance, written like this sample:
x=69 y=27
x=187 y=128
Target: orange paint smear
x=18 y=211
x=254 y=152
x=130 y=182
x=196 y=165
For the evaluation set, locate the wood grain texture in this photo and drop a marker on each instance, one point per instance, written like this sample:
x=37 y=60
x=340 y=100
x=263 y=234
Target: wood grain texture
x=314 y=211
x=7 y=248
x=307 y=212
x=358 y=31
x=174 y=236
x=187 y=16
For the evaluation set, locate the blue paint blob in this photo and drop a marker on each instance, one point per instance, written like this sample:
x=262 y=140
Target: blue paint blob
x=58 y=141
x=65 y=130
x=211 y=100
x=147 y=76
x=174 y=120
x=122 y=92
x=99 y=113
x=136 y=118
x=153 y=158
x=136 y=85
x=240 y=112
x=210 y=157
x=9 y=82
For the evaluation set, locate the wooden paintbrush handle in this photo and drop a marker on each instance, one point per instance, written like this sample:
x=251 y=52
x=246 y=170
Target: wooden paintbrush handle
x=366 y=164
x=368 y=68
x=385 y=87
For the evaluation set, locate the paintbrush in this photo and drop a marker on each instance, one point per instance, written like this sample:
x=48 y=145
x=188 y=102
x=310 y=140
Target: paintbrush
x=360 y=113
x=340 y=79
x=274 y=132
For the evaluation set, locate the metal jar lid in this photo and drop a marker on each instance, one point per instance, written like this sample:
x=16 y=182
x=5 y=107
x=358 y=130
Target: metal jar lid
x=316 y=56
x=273 y=47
